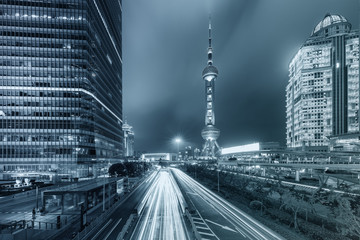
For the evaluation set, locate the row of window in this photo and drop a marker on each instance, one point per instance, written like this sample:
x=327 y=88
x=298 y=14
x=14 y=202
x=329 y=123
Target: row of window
x=47 y=138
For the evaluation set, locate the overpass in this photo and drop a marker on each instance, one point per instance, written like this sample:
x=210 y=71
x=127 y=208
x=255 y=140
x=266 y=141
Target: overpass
x=333 y=165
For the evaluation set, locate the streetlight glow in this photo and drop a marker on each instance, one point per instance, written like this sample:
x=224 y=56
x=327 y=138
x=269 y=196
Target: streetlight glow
x=178 y=141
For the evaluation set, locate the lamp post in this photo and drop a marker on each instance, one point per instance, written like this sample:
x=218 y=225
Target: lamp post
x=218 y=172
x=178 y=141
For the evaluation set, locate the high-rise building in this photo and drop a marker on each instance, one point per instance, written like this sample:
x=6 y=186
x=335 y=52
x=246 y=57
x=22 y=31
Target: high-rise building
x=210 y=133
x=322 y=96
x=60 y=87
x=129 y=139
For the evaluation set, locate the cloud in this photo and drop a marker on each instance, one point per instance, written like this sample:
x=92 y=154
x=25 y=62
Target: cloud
x=164 y=52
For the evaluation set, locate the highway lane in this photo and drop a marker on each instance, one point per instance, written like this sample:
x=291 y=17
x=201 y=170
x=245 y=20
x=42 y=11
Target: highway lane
x=224 y=219
x=112 y=228
x=162 y=217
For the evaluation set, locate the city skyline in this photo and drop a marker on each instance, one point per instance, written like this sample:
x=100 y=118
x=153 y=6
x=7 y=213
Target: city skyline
x=161 y=99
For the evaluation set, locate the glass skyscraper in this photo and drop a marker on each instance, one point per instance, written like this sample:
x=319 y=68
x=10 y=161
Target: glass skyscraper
x=60 y=87
x=322 y=95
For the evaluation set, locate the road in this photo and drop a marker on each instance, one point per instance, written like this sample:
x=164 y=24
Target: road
x=219 y=218
x=162 y=217
x=113 y=226
x=15 y=209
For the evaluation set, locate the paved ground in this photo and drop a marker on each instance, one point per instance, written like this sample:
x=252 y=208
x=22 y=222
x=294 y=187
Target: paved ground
x=224 y=220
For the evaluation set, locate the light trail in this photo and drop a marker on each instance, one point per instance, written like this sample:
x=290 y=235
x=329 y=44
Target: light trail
x=162 y=214
x=241 y=221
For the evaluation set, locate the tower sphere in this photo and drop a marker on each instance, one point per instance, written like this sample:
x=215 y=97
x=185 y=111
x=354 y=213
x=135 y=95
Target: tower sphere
x=210 y=72
x=210 y=132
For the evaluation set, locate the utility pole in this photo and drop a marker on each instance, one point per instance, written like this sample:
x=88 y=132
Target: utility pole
x=104 y=196
x=37 y=195
x=218 y=173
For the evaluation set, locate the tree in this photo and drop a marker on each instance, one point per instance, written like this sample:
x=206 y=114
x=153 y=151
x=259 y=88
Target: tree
x=117 y=170
x=295 y=203
x=347 y=212
x=132 y=169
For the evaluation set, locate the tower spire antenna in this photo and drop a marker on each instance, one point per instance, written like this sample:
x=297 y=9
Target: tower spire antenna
x=209 y=30
x=210 y=62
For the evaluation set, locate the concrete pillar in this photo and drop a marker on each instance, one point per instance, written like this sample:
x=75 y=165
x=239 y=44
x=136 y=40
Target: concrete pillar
x=297 y=176
x=94 y=199
x=62 y=203
x=86 y=201
x=109 y=194
x=75 y=200
x=43 y=200
x=263 y=173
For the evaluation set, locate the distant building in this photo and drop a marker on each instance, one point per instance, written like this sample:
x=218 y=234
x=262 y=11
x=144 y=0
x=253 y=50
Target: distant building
x=189 y=153
x=138 y=153
x=60 y=87
x=322 y=95
x=129 y=140
x=197 y=153
x=158 y=156
x=251 y=148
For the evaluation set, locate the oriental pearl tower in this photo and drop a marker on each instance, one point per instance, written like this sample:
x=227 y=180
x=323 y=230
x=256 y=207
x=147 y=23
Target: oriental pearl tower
x=210 y=133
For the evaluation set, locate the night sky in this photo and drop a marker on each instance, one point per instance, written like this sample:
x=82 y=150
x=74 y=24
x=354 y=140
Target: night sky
x=165 y=51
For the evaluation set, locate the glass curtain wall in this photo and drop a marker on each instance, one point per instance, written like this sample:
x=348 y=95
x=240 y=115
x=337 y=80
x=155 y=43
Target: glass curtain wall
x=60 y=87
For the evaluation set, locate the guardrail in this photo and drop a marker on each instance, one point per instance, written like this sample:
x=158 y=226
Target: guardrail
x=124 y=230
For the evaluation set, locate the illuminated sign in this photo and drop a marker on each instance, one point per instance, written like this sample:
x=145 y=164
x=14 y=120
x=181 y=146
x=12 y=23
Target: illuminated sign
x=243 y=148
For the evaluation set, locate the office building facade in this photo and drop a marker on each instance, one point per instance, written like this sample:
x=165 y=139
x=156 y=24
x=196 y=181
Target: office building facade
x=60 y=87
x=129 y=140
x=322 y=95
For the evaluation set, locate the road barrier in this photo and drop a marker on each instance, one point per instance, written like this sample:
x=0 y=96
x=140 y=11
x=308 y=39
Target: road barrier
x=124 y=230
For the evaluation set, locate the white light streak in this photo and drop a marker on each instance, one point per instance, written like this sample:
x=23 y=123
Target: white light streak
x=162 y=214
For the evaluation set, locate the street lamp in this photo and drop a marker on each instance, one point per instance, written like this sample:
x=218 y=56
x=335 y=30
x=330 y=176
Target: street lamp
x=218 y=186
x=178 y=141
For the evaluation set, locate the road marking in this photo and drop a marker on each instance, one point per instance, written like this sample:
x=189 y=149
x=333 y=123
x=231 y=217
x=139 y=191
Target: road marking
x=206 y=228
x=204 y=233
x=112 y=229
x=222 y=226
x=97 y=234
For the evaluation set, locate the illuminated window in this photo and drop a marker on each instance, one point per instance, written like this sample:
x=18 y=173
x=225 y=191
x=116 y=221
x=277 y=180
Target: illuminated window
x=209 y=97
